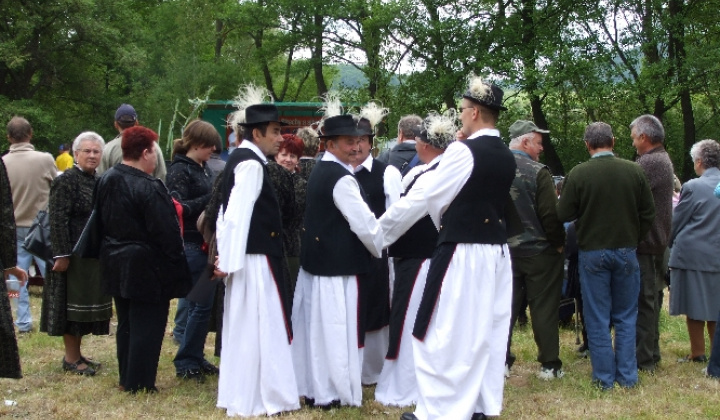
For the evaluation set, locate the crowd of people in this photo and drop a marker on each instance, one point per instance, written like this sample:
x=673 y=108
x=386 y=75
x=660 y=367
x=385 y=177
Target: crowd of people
x=407 y=271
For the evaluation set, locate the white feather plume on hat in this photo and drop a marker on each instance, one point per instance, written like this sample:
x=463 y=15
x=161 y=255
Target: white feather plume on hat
x=332 y=107
x=374 y=113
x=247 y=95
x=441 y=128
x=479 y=88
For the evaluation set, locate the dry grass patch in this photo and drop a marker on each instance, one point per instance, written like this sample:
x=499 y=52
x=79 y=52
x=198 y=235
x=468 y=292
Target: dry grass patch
x=46 y=392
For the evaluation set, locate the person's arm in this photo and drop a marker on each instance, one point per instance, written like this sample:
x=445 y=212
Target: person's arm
x=60 y=207
x=546 y=204
x=683 y=211
x=8 y=251
x=233 y=223
x=568 y=205
x=392 y=184
x=405 y=212
x=178 y=183
x=451 y=175
x=646 y=208
x=347 y=198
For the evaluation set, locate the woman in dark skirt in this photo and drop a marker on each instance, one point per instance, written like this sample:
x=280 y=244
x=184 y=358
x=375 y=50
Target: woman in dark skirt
x=9 y=357
x=74 y=304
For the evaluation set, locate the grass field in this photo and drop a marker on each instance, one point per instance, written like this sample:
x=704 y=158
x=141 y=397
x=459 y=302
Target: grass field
x=676 y=391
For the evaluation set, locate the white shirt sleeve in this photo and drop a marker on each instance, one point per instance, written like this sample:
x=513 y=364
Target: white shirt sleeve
x=450 y=176
x=402 y=215
x=392 y=184
x=348 y=200
x=233 y=224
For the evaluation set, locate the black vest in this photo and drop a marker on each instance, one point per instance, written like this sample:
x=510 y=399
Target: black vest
x=373 y=186
x=477 y=215
x=329 y=247
x=420 y=240
x=265 y=235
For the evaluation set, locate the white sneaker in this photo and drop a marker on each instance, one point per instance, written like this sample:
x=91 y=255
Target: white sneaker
x=507 y=371
x=548 y=374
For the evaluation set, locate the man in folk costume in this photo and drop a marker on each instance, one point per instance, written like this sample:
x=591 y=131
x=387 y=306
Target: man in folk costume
x=411 y=237
x=340 y=238
x=256 y=369
x=382 y=186
x=463 y=319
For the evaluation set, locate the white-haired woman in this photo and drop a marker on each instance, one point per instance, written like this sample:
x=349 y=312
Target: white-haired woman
x=695 y=275
x=73 y=302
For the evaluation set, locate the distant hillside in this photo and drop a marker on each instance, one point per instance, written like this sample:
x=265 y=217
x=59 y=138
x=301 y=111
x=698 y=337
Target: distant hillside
x=351 y=77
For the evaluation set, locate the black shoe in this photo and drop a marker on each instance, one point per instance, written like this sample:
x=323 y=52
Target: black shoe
x=408 y=416
x=73 y=367
x=209 y=369
x=328 y=407
x=310 y=402
x=195 y=374
x=94 y=365
x=478 y=416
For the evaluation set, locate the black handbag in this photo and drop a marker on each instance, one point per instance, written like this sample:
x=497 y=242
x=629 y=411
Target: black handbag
x=37 y=241
x=88 y=245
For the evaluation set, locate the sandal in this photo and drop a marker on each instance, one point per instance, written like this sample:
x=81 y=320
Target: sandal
x=73 y=367
x=697 y=359
x=95 y=365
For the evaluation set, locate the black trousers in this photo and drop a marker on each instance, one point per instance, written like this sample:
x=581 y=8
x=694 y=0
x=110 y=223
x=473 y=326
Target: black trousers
x=140 y=332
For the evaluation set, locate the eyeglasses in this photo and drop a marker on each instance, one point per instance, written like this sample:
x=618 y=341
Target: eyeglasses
x=91 y=151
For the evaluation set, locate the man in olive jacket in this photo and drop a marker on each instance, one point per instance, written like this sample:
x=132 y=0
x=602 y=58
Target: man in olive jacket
x=610 y=200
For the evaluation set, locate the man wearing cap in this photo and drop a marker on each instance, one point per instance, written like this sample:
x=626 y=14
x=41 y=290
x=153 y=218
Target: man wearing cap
x=256 y=369
x=382 y=186
x=64 y=160
x=537 y=252
x=411 y=237
x=464 y=315
x=340 y=238
x=126 y=117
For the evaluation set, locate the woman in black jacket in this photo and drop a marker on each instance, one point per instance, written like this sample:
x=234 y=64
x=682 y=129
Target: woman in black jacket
x=141 y=256
x=190 y=183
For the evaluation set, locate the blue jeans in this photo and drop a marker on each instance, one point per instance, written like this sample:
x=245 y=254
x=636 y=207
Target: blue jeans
x=191 y=355
x=610 y=282
x=713 y=368
x=180 y=320
x=24 y=259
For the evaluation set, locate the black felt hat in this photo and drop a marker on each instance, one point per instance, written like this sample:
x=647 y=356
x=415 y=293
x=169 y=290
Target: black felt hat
x=365 y=128
x=492 y=99
x=341 y=125
x=260 y=114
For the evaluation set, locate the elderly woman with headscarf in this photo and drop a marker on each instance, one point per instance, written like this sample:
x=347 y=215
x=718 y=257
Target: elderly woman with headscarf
x=141 y=256
x=74 y=304
x=695 y=268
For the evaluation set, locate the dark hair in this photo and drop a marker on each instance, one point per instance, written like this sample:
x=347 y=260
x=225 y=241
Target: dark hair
x=649 y=125
x=19 y=129
x=293 y=144
x=248 y=130
x=197 y=133
x=124 y=125
x=135 y=140
x=599 y=135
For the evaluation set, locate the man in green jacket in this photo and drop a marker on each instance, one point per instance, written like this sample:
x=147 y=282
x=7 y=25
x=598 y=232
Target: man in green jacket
x=611 y=201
